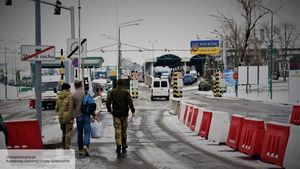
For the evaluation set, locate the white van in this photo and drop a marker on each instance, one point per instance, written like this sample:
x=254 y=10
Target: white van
x=160 y=88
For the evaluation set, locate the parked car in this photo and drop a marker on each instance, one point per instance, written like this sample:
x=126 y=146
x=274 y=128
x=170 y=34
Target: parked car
x=160 y=89
x=188 y=79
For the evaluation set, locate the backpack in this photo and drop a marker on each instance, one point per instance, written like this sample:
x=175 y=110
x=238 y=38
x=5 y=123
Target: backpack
x=88 y=105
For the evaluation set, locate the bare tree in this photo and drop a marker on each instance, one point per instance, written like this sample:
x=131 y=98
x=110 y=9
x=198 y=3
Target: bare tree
x=252 y=12
x=287 y=37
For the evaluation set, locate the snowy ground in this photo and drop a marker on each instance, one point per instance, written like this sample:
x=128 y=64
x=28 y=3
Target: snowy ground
x=13 y=93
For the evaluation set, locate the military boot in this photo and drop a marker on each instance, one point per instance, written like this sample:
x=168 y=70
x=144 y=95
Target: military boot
x=118 y=150
x=124 y=147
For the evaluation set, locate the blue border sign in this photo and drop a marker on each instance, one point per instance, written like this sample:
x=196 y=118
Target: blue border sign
x=204 y=43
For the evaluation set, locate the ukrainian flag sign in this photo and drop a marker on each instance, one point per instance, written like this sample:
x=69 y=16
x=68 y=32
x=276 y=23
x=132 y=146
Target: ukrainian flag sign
x=207 y=47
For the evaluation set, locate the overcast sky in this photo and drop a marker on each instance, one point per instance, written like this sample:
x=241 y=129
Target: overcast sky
x=171 y=23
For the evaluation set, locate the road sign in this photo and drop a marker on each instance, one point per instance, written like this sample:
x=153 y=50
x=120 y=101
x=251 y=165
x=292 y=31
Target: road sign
x=76 y=74
x=209 y=47
x=75 y=62
x=235 y=75
x=73 y=48
x=37 y=53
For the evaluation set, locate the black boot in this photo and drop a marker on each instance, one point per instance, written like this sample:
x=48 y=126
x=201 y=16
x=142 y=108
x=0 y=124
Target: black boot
x=124 y=147
x=118 y=150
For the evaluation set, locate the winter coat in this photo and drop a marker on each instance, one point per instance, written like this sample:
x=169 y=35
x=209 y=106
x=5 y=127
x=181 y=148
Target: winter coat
x=121 y=101
x=63 y=107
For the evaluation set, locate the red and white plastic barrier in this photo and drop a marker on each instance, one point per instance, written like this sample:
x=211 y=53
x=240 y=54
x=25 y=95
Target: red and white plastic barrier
x=24 y=134
x=186 y=113
x=292 y=152
x=194 y=118
x=235 y=129
x=198 y=121
x=205 y=124
x=181 y=112
x=219 y=127
x=252 y=136
x=295 y=116
x=275 y=142
x=190 y=116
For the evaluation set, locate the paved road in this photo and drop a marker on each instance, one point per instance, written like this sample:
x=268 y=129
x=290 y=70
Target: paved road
x=265 y=111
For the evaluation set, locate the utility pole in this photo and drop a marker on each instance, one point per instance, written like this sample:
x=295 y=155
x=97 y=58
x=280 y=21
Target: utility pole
x=271 y=51
x=125 y=24
x=81 y=64
x=5 y=77
x=271 y=58
x=152 y=45
x=236 y=60
x=38 y=64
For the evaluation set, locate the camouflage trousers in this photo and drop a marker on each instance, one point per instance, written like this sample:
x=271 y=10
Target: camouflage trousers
x=120 y=125
x=66 y=134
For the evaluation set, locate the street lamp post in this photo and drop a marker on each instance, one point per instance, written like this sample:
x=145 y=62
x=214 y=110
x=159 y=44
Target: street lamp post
x=271 y=54
x=152 y=45
x=5 y=77
x=124 y=24
x=271 y=51
x=223 y=48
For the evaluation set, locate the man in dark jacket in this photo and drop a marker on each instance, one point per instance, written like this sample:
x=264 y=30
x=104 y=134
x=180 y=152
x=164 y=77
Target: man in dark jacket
x=121 y=101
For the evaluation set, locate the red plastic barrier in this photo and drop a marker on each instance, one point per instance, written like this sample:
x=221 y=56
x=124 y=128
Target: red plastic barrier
x=295 y=116
x=191 y=112
x=32 y=103
x=185 y=113
x=235 y=129
x=275 y=142
x=24 y=134
x=194 y=119
x=205 y=124
x=252 y=136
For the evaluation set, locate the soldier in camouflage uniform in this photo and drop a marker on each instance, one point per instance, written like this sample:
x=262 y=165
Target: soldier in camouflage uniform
x=121 y=101
x=65 y=117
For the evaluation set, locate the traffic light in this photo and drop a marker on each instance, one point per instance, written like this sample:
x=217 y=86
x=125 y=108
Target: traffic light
x=8 y=2
x=57 y=8
x=86 y=84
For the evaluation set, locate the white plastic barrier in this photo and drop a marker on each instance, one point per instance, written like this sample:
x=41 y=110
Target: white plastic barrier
x=219 y=127
x=182 y=110
x=198 y=122
x=292 y=153
x=188 y=114
x=174 y=105
x=2 y=140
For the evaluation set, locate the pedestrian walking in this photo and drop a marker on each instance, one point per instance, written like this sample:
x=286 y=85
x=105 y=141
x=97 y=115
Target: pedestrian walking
x=83 y=121
x=121 y=101
x=65 y=117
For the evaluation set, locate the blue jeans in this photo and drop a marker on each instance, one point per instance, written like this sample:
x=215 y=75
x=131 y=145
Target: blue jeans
x=83 y=130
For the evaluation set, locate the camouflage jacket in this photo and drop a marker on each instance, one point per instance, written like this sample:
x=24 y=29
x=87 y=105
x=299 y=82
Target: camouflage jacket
x=63 y=107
